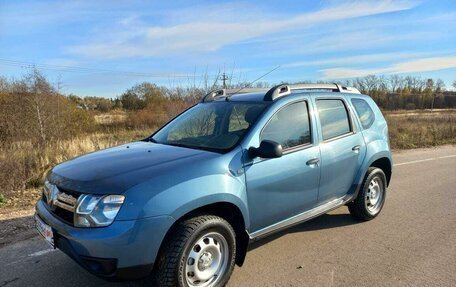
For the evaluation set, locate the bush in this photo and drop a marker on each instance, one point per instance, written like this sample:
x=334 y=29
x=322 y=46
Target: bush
x=2 y=199
x=156 y=114
x=31 y=109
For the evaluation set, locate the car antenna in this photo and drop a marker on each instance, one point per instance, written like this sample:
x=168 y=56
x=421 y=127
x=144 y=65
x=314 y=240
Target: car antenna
x=249 y=84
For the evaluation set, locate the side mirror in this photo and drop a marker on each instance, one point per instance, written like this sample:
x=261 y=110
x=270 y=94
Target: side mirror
x=267 y=149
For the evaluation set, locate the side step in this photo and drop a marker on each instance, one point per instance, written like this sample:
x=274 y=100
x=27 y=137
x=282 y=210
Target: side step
x=307 y=215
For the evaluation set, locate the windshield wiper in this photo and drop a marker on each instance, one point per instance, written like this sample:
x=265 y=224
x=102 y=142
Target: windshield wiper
x=151 y=139
x=180 y=145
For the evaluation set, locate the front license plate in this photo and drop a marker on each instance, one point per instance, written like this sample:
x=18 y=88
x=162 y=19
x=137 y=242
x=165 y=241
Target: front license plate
x=45 y=230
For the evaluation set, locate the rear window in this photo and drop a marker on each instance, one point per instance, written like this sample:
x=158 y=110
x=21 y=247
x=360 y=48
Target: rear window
x=333 y=118
x=364 y=111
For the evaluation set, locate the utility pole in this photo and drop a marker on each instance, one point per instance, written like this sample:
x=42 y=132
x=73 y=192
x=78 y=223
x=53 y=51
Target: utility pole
x=224 y=77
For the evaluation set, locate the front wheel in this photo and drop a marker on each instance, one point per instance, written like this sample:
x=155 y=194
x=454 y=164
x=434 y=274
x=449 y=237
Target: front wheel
x=371 y=196
x=199 y=252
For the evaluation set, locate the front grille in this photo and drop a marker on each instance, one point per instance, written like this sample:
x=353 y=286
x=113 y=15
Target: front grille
x=62 y=203
x=64 y=215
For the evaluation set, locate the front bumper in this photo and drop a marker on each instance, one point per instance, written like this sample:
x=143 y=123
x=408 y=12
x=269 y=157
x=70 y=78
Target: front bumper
x=125 y=249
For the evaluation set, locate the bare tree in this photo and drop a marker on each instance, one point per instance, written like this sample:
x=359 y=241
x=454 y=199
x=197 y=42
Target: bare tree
x=371 y=82
x=438 y=87
x=395 y=83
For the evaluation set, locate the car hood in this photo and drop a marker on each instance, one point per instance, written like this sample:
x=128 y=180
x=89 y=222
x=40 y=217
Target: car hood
x=114 y=170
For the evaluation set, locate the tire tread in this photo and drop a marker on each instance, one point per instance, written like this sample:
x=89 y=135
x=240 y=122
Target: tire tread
x=168 y=265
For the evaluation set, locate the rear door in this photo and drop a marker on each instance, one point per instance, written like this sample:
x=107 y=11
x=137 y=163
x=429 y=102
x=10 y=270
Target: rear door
x=342 y=147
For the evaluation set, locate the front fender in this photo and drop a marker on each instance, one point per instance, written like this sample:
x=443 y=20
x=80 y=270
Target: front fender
x=177 y=200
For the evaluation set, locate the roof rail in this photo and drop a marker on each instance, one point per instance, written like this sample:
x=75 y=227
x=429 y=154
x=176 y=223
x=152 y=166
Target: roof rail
x=278 y=91
x=229 y=92
x=283 y=90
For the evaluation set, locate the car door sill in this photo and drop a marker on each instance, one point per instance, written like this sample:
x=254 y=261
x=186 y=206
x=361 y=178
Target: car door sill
x=309 y=214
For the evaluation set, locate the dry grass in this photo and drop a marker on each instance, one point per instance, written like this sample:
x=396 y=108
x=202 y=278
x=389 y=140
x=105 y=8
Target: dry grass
x=113 y=117
x=412 y=129
x=24 y=166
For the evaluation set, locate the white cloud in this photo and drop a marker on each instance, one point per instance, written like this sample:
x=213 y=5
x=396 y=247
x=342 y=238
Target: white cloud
x=413 y=66
x=212 y=34
x=357 y=59
x=424 y=65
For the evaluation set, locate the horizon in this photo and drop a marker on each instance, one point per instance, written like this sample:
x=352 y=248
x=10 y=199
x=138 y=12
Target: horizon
x=98 y=52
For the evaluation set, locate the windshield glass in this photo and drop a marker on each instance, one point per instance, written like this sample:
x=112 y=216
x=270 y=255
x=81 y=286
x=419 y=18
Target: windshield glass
x=214 y=126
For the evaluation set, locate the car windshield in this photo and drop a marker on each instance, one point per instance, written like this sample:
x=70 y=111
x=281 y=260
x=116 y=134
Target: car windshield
x=216 y=126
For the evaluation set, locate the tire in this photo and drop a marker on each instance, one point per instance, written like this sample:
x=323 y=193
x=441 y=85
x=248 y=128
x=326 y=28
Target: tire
x=371 y=196
x=195 y=249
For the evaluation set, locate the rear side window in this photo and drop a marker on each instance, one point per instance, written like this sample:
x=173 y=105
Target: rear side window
x=333 y=118
x=364 y=111
x=289 y=127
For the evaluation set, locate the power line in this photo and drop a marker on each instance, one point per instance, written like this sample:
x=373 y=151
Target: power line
x=78 y=69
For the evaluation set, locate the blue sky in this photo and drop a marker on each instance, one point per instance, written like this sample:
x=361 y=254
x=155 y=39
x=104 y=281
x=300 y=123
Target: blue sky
x=101 y=48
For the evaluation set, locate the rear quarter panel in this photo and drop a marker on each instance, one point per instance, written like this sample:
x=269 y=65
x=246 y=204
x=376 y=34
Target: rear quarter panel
x=375 y=137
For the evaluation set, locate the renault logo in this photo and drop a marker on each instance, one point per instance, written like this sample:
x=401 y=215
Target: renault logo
x=56 y=198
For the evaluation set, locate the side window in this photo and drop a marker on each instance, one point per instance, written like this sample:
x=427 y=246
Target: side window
x=333 y=118
x=289 y=127
x=364 y=111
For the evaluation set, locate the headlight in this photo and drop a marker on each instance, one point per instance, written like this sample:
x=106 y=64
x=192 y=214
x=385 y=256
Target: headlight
x=97 y=211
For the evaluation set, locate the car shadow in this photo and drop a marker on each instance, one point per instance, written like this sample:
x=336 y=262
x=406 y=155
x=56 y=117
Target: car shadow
x=325 y=221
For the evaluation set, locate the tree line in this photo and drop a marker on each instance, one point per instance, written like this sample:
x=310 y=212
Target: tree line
x=398 y=92
x=391 y=93
x=31 y=108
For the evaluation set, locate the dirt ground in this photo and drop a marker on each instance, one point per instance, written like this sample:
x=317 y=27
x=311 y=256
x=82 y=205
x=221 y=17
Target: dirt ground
x=16 y=217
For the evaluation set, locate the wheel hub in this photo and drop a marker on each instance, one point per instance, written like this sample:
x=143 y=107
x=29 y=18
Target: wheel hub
x=374 y=195
x=205 y=261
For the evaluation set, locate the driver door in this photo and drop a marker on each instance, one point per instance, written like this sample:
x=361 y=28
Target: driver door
x=280 y=188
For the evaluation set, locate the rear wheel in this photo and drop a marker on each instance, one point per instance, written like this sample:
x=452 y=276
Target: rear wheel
x=371 y=196
x=200 y=252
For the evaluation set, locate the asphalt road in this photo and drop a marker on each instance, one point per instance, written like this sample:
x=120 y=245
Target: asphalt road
x=412 y=243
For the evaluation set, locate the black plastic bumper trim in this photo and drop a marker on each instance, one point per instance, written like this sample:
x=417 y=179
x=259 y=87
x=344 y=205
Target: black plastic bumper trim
x=105 y=268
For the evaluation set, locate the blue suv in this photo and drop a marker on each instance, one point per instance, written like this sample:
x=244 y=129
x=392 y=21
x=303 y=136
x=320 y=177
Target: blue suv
x=186 y=202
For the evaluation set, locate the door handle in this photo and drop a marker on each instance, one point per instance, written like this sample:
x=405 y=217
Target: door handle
x=313 y=162
x=356 y=148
